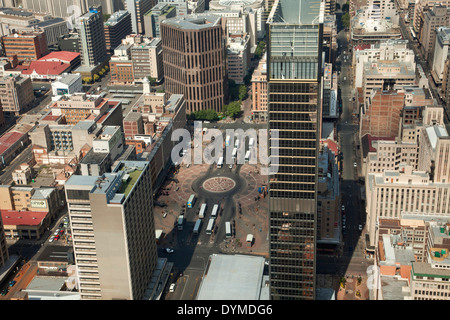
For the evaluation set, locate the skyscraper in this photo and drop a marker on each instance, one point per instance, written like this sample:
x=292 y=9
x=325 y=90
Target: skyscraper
x=113 y=231
x=92 y=38
x=295 y=31
x=194 y=60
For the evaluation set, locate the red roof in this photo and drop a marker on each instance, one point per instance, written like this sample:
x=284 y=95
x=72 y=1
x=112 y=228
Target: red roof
x=63 y=56
x=47 y=67
x=22 y=218
x=8 y=139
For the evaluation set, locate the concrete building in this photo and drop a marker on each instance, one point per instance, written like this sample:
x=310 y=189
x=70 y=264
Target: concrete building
x=147 y=58
x=420 y=8
x=27 y=46
x=385 y=50
x=67 y=84
x=16 y=94
x=368 y=30
x=137 y=9
x=259 y=90
x=244 y=6
x=382 y=118
x=153 y=18
x=238 y=57
x=436 y=17
x=294 y=62
x=92 y=39
x=121 y=66
x=117 y=27
x=112 y=223
x=329 y=223
x=440 y=53
x=4 y=254
x=194 y=60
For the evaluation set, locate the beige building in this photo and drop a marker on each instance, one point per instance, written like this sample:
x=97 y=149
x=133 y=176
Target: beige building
x=4 y=255
x=259 y=90
x=437 y=16
x=238 y=57
x=113 y=231
x=16 y=94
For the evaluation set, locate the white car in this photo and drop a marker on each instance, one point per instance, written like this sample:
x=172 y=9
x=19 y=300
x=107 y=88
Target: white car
x=51 y=239
x=360 y=227
x=172 y=287
x=230 y=166
x=354 y=164
x=168 y=250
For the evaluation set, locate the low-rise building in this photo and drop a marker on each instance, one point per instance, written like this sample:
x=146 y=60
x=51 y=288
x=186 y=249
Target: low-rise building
x=16 y=94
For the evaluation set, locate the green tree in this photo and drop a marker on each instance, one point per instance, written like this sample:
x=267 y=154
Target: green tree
x=346 y=7
x=242 y=92
x=96 y=77
x=346 y=20
x=87 y=79
x=208 y=115
x=233 y=109
x=259 y=51
x=151 y=80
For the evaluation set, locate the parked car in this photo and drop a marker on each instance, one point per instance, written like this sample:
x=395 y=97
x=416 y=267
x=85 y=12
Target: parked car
x=360 y=227
x=172 y=287
x=168 y=250
x=5 y=291
x=12 y=283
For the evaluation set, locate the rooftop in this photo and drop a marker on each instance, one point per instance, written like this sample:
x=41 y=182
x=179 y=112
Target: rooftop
x=194 y=21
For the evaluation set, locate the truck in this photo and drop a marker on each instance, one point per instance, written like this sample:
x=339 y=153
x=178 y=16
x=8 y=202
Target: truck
x=180 y=222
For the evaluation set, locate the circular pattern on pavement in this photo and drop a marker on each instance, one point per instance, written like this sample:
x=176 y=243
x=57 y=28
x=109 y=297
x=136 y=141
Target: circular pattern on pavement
x=218 y=184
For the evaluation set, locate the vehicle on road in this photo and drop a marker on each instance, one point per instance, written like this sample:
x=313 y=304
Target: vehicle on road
x=12 y=283
x=230 y=166
x=5 y=291
x=168 y=250
x=51 y=239
x=172 y=287
x=354 y=164
x=360 y=227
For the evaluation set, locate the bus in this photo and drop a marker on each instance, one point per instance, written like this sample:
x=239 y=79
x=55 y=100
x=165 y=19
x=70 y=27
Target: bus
x=228 y=229
x=251 y=142
x=220 y=162
x=234 y=155
x=180 y=222
x=236 y=144
x=202 y=211
x=214 y=211
x=191 y=201
x=209 y=228
x=197 y=226
x=413 y=34
x=227 y=141
x=247 y=156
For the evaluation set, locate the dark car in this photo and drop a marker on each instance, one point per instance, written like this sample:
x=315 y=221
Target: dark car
x=5 y=292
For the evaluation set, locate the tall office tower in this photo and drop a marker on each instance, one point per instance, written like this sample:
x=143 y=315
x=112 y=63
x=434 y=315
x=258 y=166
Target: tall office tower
x=137 y=9
x=92 y=39
x=117 y=28
x=295 y=32
x=113 y=231
x=194 y=60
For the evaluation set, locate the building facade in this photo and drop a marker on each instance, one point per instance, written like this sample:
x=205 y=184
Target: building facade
x=293 y=105
x=112 y=224
x=194 y=60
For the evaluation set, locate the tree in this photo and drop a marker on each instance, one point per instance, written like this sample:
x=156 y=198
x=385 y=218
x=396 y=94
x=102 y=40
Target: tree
x=233 y=109
x=96 y=77
x=87 y=79
x=208 y=115
x=346 y=20
x=259 y=51
x=242 y=92
x=151 y=80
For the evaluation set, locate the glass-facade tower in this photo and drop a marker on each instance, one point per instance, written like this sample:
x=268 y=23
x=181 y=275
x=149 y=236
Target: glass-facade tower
x=295 y=29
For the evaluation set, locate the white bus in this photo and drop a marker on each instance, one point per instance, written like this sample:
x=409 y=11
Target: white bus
x=191 y=201
x=251 y=142
x=214 y=211
x=227 y=141
x=220 y=162
x=180 y=222
x=228 y=229
x=202 y=211
x=197 y=226
x=234 y=155
x=209 y=228
x=236 y=144
x=247 y=156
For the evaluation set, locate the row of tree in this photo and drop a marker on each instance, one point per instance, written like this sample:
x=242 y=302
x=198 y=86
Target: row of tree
x=96 y=76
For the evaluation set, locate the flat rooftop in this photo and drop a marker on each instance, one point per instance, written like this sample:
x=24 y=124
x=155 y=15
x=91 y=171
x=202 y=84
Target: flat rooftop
x=232 y=277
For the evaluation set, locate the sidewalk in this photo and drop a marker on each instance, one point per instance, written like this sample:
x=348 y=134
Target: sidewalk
x=352 y=288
